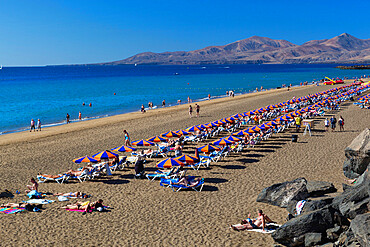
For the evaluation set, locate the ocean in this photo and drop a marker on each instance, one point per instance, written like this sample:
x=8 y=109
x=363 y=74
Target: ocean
x=49 y=93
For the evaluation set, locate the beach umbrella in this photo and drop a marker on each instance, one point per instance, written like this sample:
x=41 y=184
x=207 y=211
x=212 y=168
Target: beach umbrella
x=169 y=163
x=123 y=149
x=85 y=159
x=231 y=119
x=255 y=128
x=241 y=133
x=183 y=132
x=238 y=115
x=105 y=155
x=272 y=123
x=187 y=159
x=222 y=142
x=143 y=143
x=264 y=126
x=248 y=113
x=208 y=148
x=171 y=134
x=201 y=126
x=157 y=139
x=210 y=125
x=233 y=138
x=218 y=122
x=193 y=129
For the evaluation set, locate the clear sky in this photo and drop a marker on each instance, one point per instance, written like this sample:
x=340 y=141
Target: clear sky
x=36 y=32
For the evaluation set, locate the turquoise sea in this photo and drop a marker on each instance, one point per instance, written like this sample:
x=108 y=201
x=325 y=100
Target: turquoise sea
x=50 y=92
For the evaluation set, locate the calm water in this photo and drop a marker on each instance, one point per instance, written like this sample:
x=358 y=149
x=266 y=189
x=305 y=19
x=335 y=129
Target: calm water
x=49 y=93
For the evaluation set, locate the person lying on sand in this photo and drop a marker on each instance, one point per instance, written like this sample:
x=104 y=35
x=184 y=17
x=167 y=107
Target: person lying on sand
x=253 y=223
x=34 y=186
x=14 y=205
x=86 y=206
x=76 y=173
x=76 y=194
x=184 y=181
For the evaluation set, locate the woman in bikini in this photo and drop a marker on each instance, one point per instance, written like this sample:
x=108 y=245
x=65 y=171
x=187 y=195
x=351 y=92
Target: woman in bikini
x=76 y=194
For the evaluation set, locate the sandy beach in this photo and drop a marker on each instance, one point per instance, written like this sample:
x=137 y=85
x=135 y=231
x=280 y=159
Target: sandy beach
x=142 y=212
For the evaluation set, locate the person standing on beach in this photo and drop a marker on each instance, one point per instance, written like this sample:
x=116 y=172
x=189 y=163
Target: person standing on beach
x=209 y=96
x=142 y=108
x=164 y=103
x=197 y=108
x=190 y=111
x=189 y=100
x=341 y=123
x=127 y=138
x=67 y=118
x=298 y=120
x=32 y=125
x=79 y=116
x=326 y=122
x=333 y=122
x=38 y=124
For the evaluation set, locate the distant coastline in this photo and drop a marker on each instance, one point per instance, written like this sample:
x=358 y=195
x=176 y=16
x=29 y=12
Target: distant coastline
x=357 y=67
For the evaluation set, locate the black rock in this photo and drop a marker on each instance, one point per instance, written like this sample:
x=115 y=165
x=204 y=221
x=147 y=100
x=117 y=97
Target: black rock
x=310 y=205
x=319 y=188
x=354 y=201
x=293 y=232
x=360 y=227
x=358 y=155
x=312 y=239
x=333 y=233
x=280 y=194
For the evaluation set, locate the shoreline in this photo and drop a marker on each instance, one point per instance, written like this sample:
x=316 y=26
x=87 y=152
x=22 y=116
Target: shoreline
x=76 y=125
x=76 y=120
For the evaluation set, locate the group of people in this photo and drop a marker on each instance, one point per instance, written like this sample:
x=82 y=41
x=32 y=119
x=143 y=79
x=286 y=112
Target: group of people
x=33 y=125
x=197 y=110
x=332 y=122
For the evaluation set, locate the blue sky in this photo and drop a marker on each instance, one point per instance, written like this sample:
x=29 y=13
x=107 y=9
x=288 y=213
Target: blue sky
x=80 y=31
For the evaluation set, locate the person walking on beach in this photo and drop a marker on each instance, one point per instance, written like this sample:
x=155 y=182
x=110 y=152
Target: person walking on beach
x=341 y=123
x=32 y=125
x=67 y=118
x=197 y=108
x=189 y=100
x=190 y=111
x=333 y=122
x=164 y=103
x=127 y=138
x=142 y=108
x=79 y=116
x=38 y=124
x=326 y=122
x=209 y=96
x=298 y=121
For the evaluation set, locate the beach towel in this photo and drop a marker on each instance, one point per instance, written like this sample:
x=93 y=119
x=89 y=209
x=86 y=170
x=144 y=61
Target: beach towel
x=270 y=228
x=11 y=210
x=299 y=206
x=34 y=194
x=62 y=198
x=39 y=201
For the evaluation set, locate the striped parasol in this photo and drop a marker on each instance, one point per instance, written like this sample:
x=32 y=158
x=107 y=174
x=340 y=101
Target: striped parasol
x=157 y=139
x=123 y=149
x=183 y=132
x=222 y=142
x=143 y=143
x=169 y=163
x=208 y=148
x=86 y=158
x=171 y=134
x=105 y=155
x=187 y=159
x=193 y=129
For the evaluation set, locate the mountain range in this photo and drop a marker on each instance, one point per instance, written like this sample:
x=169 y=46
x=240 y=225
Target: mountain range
x=344 y=48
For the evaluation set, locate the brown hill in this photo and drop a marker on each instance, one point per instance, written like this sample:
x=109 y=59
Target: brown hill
x=342 y=48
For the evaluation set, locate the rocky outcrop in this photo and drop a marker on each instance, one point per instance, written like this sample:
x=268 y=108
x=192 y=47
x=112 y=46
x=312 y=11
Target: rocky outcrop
x=319 y=188
x=357 y=155
x=294 y=231
x=342 y=220
x=281 y=194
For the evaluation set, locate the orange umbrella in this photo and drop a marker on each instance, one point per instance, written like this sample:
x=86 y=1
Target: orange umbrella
x=85 y=159
x=187 y=159
x=171 y=134
x=208 y=148
x=143 y=143
x=105 y=155
x=157 y=139
x=169 y=163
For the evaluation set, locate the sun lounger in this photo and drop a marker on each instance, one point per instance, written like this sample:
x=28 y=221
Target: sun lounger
x=177 y=187
x=163 y=174
x=60 y=178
